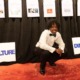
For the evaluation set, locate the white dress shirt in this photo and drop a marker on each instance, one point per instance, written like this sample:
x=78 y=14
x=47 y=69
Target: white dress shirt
x=46 y=41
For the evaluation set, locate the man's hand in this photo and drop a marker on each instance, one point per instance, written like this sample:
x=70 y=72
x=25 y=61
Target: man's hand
x=59 y=51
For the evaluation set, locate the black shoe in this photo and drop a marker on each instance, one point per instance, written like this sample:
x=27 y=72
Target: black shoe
x=42 y=71
x=52 y=64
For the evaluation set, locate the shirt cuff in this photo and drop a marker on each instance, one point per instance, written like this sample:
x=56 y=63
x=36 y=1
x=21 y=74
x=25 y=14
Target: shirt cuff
x=52 y=50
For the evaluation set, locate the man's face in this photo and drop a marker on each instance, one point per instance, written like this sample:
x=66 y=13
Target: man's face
x=54 y=28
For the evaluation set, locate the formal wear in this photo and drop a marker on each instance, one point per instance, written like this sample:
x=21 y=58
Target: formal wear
x=46 y=41
x=45 y=47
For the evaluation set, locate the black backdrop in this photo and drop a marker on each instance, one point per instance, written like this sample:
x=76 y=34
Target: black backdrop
x=26 y=31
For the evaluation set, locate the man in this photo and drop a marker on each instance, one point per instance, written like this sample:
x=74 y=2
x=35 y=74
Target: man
x=45 y=45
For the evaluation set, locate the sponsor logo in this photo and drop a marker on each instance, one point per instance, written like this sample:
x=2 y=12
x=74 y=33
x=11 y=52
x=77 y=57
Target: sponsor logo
x=49 y=10
x=77 y=45
x=7 y=52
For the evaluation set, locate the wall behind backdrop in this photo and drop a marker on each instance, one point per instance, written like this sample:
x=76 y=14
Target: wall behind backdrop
x=26 y=31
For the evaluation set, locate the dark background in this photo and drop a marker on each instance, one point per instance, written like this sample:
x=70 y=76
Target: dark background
x=25 y=31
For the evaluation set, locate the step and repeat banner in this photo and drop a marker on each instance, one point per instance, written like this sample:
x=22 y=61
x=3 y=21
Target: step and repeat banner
x=2 y=10
x=49 y=8
x=7 y=52
x=15 y=8
x=67 y=7
x=76 y=45
x=32 y=8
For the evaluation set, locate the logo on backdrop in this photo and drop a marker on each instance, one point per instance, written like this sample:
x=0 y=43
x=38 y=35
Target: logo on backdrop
x=7 y=52
x=77 y=45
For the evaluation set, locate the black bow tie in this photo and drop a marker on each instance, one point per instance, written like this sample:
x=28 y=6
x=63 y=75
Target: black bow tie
x=53 y=35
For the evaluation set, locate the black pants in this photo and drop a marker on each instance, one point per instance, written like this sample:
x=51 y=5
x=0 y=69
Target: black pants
x=46 y=56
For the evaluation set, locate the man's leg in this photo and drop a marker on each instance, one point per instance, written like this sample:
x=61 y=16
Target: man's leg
x=44 y=58
x=53 y=57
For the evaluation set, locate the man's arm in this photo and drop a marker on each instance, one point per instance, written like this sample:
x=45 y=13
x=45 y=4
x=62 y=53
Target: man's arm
x=61 y=44
x=43 y=44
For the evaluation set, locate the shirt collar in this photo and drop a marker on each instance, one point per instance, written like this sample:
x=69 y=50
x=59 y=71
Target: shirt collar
x=51 y=32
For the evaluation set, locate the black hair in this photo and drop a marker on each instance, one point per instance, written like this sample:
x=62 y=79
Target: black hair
x=53 y=22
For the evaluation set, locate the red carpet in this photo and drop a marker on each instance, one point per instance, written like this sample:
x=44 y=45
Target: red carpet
x=68 y=69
